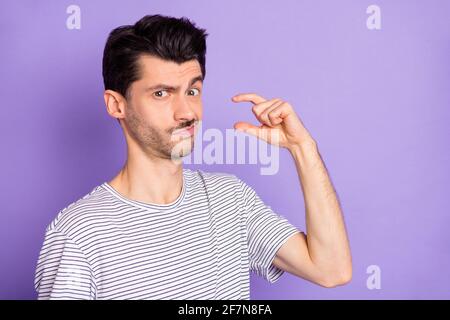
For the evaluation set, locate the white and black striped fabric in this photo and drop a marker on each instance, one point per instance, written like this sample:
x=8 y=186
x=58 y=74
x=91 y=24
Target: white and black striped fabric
x=201 y=246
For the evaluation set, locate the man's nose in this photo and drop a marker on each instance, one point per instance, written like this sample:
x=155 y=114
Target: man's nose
x=184 y=110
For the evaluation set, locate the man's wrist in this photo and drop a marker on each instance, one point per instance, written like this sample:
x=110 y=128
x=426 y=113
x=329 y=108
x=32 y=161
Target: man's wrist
x=306 y=152
x=306 y=145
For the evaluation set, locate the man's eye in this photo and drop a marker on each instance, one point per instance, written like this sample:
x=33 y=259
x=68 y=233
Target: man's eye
x=160 y=93
x=194 y=92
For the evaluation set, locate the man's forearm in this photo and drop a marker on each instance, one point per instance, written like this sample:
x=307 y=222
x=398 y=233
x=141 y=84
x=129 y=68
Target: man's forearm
x=327 y=240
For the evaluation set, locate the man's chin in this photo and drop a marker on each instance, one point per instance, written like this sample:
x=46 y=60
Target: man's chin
x=182 y=149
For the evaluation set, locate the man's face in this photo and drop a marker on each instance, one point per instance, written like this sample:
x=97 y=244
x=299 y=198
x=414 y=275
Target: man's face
x=164 y=106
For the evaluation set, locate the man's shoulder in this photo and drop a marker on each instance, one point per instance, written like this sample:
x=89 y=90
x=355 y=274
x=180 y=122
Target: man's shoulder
x=78 y=213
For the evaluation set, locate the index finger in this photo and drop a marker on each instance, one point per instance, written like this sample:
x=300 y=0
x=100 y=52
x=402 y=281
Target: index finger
x=251 y=97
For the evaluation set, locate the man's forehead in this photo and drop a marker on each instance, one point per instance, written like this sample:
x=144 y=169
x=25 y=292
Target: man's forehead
x=158 y=69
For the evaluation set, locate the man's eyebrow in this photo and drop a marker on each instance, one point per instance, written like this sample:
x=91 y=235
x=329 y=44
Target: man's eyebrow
x=195 y=79
x=172 y=88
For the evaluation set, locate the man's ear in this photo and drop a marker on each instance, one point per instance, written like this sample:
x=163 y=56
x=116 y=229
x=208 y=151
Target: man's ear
x=115 y=104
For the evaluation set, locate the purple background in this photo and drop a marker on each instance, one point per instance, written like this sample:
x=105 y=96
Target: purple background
x=376 y=101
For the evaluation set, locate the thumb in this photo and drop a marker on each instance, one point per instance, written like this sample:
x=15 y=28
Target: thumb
x=247 y=127
x=259 y=132
x=263 y=132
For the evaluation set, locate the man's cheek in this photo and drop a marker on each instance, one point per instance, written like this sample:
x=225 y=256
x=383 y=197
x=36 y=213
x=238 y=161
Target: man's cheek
x=199 y=111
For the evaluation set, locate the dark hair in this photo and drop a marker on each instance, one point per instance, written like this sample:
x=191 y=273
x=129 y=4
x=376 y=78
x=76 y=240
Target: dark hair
x=168 y=38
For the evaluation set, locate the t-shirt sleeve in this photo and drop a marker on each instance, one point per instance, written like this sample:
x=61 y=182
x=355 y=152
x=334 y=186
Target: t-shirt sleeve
x=63 y=271
x=267 y=232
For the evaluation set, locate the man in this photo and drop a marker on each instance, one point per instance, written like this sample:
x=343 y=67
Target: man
x=158 y=231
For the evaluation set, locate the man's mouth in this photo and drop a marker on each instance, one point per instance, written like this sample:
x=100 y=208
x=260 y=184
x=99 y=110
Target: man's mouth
x=185 y=132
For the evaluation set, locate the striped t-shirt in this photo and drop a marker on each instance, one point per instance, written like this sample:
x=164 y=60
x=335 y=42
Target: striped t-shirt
x=201 y=246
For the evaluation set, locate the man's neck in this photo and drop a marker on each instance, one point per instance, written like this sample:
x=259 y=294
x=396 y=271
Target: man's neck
x=149 y=180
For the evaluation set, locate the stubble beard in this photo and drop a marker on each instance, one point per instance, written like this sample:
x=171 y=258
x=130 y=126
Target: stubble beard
x=157 y=143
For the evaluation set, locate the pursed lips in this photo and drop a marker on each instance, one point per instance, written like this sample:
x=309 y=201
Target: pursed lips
x=188 y=131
